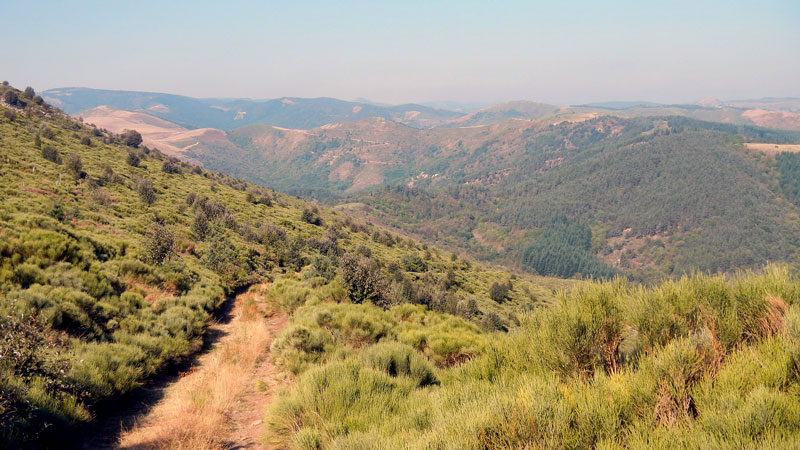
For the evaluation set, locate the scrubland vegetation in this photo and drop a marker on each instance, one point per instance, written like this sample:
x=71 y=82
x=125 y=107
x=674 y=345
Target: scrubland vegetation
x=114 y=257
x=699 y=362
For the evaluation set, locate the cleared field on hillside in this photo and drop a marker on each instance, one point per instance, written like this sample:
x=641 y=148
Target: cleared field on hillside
x=773 y=149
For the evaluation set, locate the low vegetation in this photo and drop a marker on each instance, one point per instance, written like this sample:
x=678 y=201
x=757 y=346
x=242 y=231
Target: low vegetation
x=699 y=362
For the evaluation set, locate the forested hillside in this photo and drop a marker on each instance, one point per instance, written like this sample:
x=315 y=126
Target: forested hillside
x=114 y=257
x=660 y=196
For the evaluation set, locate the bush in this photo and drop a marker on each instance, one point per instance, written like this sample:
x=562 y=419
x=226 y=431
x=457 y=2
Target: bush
x=11 y=98
x=131 y=138
x=10 y=115
x=38 y=100
x=311 y=215
x=171 y=167
x=362 y=278
x=132 y=159
x=147 y=193
x=51 y=154
x=29 y=93
x=499 y=292
x=47 y=132
x=201 y=225
x=74 y=165
x=159 y=244
x=86 y=141
x=412 y=262
x=396 y=359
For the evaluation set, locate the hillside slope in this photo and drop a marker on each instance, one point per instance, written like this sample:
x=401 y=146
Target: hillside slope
x=660 y=196
x=113 y=259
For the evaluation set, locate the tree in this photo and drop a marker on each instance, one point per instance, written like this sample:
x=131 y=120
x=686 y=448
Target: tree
x=311 y=215
x=47 y=132
x=132 y=159
x=74 y=165
x=29 y=93
x=11 y=98
x=170 y=167
x=221 y=256
x=131 y=138
x=499 y=292
x=51 y=154
x=147 y=192
x=413 y=263
x=159 y=244
x=362 y=278
x=201 y=225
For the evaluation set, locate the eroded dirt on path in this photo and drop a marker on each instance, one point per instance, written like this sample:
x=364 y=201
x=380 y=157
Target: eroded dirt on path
x=215 y=401
x=247 y=419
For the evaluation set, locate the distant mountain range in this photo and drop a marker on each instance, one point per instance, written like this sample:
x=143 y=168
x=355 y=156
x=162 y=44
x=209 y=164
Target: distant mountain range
x=226 y=114
x=306 y=113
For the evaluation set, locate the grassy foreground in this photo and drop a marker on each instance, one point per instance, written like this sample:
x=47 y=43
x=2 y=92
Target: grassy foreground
x=700 y=362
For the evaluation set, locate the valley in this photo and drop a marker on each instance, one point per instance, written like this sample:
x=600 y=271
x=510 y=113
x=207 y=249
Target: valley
x=489 y=182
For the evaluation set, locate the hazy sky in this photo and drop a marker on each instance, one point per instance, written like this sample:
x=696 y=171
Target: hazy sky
x=561 y=52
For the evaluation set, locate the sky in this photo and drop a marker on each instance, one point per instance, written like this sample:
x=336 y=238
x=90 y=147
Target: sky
x=567 y=52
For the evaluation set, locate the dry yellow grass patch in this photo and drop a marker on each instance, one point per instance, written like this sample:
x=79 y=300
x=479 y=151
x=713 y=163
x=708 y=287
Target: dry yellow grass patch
x=193 y=413
x=773 y=149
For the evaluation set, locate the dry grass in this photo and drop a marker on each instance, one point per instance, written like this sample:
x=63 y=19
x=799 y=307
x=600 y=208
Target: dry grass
x=773 y=149
x=193 y=413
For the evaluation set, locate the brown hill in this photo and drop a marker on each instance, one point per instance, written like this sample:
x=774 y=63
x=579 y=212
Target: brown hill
x=166 y=136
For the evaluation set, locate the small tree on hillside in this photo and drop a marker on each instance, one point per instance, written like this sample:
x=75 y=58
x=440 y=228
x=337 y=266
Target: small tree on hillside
x=311 y=215
x=362 y=277
x=11 y=98
x=499 y=292
x=132 y=159
x=47 y=132
x=51 y=154
x=201 y=225
x=29 y=93
x=131 y=138
x=74 y=165
x=159 y=244
x=147 y=193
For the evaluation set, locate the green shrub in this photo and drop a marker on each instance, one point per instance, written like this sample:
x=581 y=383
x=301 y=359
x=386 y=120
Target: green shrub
x=74 y=165
x=51 y=154
x=398 y=359
x=413 y=263
x=147 y=193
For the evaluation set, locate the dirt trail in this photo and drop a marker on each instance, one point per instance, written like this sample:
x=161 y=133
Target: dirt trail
x=216 y=400
x=247 y=419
